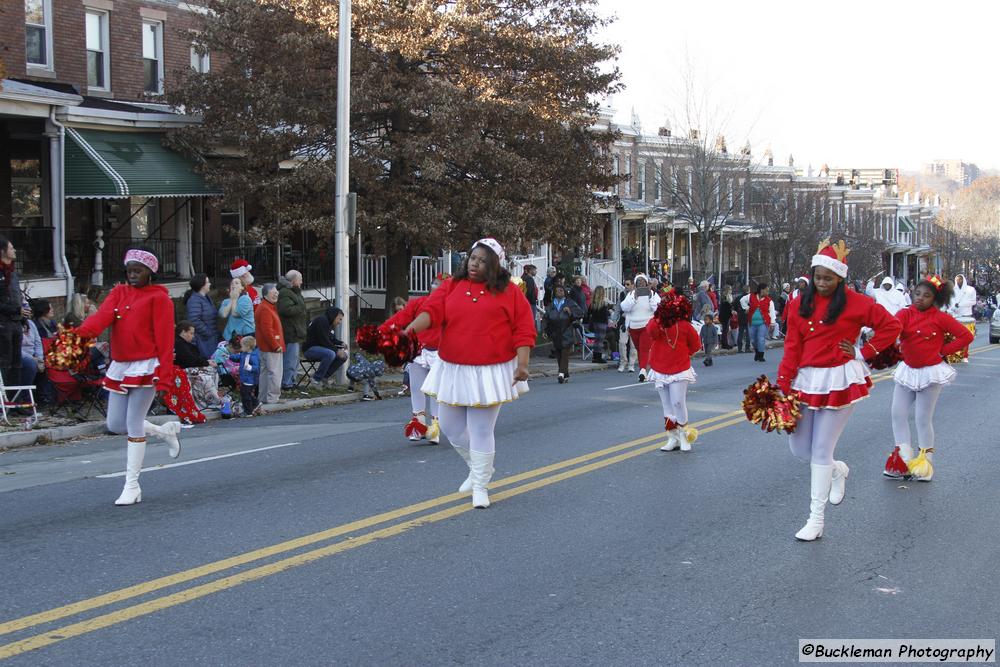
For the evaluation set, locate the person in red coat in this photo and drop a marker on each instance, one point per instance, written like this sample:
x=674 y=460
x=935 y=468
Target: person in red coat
x=487 y=332
x=141 y=317
x=922 y=373
x=430 y=339
x=829 y=373
x=673 y=342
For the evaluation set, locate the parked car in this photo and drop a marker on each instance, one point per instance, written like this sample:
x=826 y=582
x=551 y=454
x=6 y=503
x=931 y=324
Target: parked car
x=995 y=327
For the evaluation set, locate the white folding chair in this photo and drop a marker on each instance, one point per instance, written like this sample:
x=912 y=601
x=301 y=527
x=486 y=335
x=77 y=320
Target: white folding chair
x=15 y=402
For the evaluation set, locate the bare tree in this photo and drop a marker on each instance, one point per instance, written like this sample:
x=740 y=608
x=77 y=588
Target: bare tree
x=789 y=224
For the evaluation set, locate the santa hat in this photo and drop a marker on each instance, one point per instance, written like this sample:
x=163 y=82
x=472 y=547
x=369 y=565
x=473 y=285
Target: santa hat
x=239 y=267
x=805 y=279
x=832 y=257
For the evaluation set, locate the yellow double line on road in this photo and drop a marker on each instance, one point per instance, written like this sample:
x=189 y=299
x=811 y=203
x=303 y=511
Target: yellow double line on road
x=541 y=477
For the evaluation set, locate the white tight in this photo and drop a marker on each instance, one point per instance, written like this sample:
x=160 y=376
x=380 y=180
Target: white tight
x=470 y=428
x=926 y=400
x=817 y=434
x=127 y=412
x=673 y=396
x=418 y=399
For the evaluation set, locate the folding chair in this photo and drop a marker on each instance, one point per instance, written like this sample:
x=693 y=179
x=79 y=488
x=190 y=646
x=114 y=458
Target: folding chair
x=77 y=396
x=306 y=369
x=586 y=340
x=16 y=401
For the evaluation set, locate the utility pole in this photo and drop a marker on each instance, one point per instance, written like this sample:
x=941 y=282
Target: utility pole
x=341 y=245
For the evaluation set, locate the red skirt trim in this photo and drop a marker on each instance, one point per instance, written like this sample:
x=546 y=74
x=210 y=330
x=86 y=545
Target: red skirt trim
x=129 y=382
x=840 y=398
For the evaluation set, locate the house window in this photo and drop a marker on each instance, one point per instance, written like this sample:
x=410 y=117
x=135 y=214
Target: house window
x=26 y=193
x=659 y=183
x=38 y=33
x=641 y=184
x=98 y=62
x=200 y=61
x=628 y=178
x=152 y=56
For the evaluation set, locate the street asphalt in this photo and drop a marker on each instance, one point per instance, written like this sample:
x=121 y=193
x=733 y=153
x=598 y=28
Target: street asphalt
x=623 y=557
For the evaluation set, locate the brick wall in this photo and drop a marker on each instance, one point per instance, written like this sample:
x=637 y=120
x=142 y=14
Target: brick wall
x=125 y=37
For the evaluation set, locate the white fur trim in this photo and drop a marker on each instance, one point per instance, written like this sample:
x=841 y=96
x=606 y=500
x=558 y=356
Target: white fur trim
x=236 y=273
x=830 y=263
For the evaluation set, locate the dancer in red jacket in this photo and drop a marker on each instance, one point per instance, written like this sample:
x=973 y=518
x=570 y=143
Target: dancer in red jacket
x=430 y=339
x=670 y=363
x=922 y=373
x=823 y=365
x=488 y=330
x=141 y=317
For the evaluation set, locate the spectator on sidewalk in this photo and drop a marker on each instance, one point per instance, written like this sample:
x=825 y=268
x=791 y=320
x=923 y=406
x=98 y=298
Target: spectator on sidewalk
x=627 y=352
x=761 y=315
x=200 y=370
x=550 y=280
x=270 y=344
x=322 y=345
x=725 y=315
x=709 y=336
x=237 y=310
x=294 y=323
x=32 y=355
x=743 y=335
x=598 y=316
x=249 y=360
x=201 y=313
x=559 y=319
x=13 y=310
x=702 y=301
x=44 y=317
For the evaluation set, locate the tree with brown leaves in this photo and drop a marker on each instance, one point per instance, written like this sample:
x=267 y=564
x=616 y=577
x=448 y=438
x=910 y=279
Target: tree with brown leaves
x=468 y=118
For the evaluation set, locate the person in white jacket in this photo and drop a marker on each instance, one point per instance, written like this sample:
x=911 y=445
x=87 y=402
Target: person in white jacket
x=886 y=295
x=963 y=299
x=639 y=306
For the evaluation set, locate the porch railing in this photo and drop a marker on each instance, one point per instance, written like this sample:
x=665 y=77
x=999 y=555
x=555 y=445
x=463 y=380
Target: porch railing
x=423 y=269
x=517 y=264
x=34 y=249
x=599 y=275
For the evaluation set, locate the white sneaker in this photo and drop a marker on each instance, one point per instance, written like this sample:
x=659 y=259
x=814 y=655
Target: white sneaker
x=621 y=369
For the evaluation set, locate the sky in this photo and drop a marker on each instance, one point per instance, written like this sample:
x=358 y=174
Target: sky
x=875 y=83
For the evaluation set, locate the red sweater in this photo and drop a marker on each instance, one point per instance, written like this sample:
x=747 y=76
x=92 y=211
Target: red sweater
x=922 y=340
x=142 y=327
x=269 y=334
x=764 y=305
x=812 y=342
x=482 y=332
x=672 y=348
x=428 y=338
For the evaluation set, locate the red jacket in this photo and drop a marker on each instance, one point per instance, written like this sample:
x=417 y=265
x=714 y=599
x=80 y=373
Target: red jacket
x=428 y=338
x=482 y=332
x=270 y=336
x=142 y=327
x=922 y=340
x=765 y=308
x=811 y=342
x=672 y=348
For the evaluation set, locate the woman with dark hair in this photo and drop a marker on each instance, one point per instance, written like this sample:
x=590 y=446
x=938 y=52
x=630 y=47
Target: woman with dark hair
x=760 y=314
x=43 y=315
x=922 y=373
x=202 y=314
x=141 y=317
x=488 y=330
x=559 y=317
x=822 y=364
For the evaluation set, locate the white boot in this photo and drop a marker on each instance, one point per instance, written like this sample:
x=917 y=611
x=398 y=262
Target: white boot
x=482 y=472
x=168 y=433
x=132 y=494
x=839 y=482
x=906 y=452
x=682 y=437
x=673 y=442
x=464 y=453
x=819 y=487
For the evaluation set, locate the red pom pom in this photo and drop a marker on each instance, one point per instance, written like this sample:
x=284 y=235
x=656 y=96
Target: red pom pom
x=765 y=404
x=367 y=338
x=673 y=308
x=69 y=352
x=887 y=358
x=895 y=466
x=397 y=347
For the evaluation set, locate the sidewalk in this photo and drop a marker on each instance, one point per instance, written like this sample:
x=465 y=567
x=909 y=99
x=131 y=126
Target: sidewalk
x=541 y=366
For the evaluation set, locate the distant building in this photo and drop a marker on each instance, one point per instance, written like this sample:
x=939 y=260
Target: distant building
x=963 y=173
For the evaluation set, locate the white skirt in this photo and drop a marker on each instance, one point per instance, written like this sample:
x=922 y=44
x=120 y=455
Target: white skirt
x=426 y=358
x=119 y=370
x=815 y=380
x=471 y=386
x=662 y=379
x=918 y=379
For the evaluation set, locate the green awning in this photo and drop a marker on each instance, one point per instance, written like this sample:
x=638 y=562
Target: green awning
x=906 y=225
x=113 y=165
